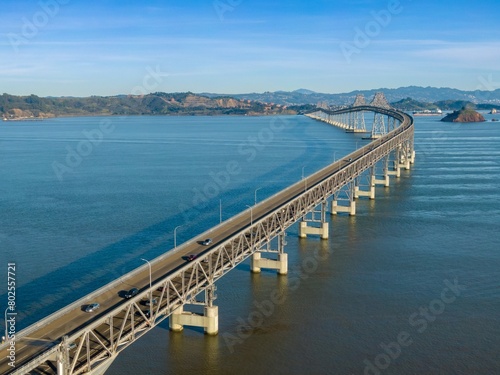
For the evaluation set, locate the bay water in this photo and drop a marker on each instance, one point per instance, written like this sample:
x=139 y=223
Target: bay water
x=410 y=285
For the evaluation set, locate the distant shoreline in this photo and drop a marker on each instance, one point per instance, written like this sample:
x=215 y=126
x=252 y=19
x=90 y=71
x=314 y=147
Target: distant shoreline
x=150 y=115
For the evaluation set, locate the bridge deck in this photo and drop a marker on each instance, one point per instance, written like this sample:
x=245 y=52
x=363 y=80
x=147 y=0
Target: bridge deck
x=179 y=279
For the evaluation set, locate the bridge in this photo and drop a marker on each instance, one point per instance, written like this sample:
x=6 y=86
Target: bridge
x=72 y=341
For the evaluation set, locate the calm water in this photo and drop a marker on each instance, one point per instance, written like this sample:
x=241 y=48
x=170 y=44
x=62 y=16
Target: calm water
x=407 y=286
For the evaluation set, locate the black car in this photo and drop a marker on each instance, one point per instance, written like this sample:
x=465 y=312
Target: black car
x=132 y=292
x=148 y=302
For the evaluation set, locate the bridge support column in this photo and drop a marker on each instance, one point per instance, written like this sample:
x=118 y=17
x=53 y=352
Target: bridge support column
x=62 y=357
x=280 y=264
x=61 y=364
x=351 y=206
x=370 y=193
x=396 y=169
x=209 y=320
x=382 y=181
x=322 y=230
x=385 y=181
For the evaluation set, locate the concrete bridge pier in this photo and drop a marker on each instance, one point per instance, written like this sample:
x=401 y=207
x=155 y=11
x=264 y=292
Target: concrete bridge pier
x=350 y=208
x=370 y=193
x=322 y=230
x=209 y=320
x=396 y=166
x=408 y=155
x=385 y=181
x=280 y=264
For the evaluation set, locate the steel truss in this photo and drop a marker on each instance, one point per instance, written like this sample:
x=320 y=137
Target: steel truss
x=84 y=350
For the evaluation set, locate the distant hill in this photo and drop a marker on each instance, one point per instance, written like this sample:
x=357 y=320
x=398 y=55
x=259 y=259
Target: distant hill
x=422 y=94
x=22 y=107
x=410 y=98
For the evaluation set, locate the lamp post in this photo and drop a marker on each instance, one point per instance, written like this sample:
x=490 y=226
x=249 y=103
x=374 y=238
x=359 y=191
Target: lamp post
x=175 y=235
x=150 y=291
x=251 y=223
x=220 y=210
x=305 y=180
x=251 y=215
x=255 y=195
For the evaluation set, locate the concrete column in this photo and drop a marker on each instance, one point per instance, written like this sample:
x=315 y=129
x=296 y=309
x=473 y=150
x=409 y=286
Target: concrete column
x=283 y=263
x=324 y=230
x=396 y=170
x=175 y=320
x=211 y=320
x=280 y=264
x=382 y=181
x=304 y=230
x=350 y=209
x=361 y=193
x=255 y=263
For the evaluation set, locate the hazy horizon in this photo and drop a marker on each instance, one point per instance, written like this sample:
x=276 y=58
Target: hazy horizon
x=71 y=48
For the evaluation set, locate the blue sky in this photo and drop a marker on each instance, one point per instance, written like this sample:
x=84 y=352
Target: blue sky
x=72 y=47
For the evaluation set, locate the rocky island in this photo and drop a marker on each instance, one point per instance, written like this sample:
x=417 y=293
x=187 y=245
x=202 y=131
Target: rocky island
x=464 y=115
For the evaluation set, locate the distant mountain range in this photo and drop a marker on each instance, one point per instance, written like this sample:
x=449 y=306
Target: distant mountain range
x=421 y=94
x=268 y=103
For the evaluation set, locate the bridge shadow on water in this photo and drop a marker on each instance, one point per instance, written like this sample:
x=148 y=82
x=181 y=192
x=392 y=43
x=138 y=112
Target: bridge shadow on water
x=51 y=292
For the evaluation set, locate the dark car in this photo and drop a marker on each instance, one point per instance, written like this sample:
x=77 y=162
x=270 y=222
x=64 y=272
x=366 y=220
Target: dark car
x=148 y=302
x=92 y=307
x=132 y=292
x=191 y=257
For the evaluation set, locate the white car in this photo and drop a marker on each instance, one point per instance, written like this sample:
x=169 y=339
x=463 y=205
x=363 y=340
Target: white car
x=207 y=242
x=92 y=307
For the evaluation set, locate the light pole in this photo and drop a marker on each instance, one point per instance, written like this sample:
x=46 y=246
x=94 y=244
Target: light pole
x=175 y=235
x=251 y=223
x=255 y=196
x=303 y=171
x=150 y=291
x=251 y=215
x=220 y=210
